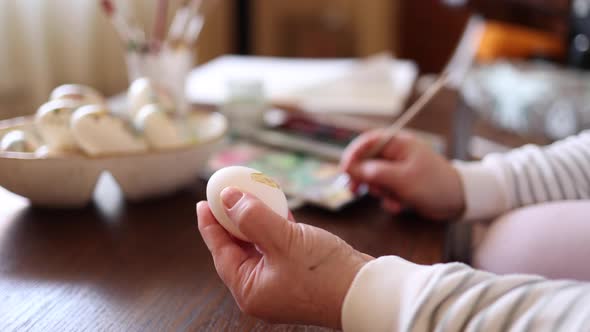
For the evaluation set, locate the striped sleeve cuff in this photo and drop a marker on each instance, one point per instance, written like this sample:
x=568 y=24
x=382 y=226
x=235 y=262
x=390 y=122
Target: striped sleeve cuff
x=373 y=300
x=486 y=192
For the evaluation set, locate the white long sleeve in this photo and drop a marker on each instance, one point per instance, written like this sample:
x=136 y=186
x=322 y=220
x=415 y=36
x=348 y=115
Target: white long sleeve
x=391 y=294
x=528 y=175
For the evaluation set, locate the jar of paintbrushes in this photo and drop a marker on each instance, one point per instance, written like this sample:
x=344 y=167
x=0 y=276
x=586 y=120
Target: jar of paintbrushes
x=159 y=59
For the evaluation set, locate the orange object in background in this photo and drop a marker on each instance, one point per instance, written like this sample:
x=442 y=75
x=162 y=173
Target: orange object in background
x=501 y=40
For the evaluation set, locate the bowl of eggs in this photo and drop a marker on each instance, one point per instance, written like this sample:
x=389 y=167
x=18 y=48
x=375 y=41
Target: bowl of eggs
x=56 y=157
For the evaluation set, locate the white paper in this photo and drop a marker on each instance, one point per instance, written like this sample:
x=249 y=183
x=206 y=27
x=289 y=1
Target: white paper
x=376 y=86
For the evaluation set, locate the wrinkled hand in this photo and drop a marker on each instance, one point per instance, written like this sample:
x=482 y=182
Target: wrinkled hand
x=290 y=273
x=407 y=173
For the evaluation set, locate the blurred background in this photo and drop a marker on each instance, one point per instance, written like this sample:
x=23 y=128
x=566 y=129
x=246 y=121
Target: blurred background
x=49 y=42
x=296 y=80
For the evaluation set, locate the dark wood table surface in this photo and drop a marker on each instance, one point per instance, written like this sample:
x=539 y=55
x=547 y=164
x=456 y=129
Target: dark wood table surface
x=121 y=266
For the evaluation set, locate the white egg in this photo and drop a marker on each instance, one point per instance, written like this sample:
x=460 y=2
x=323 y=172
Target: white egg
x=144 y=91
x=45 y=151
x=77 y=92
x=52 y=121
x=100 y=133
x=247 y=180
x=165 y=99
x=158 y=128
x=18 y=141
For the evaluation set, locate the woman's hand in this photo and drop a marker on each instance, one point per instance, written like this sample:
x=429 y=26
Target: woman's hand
x=407 y=173
x=290 y=273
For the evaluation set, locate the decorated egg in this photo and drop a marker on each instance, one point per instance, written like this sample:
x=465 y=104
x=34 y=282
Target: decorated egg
x=82 y=94
x=159 y=130
x=144 y=91
x=45 y=151
x=52 y=121
x=18 y=141
x=98 y=132
x=247 y=180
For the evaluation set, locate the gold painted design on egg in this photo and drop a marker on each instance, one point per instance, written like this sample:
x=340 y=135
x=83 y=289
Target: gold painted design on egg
x=99 y=114
x=261 y=178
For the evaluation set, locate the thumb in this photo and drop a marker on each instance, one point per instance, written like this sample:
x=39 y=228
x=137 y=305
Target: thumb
x=257 y=221
x=381 y=173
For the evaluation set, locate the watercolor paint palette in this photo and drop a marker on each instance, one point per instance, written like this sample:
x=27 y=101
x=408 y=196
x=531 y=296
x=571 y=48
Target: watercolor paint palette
x=296 y=132
x=302 y=177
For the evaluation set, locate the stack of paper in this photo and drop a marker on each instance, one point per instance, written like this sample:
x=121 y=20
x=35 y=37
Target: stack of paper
x=378 y=85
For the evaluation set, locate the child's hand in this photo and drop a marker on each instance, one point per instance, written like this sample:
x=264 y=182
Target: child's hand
x=291 y=273
x=407 y=173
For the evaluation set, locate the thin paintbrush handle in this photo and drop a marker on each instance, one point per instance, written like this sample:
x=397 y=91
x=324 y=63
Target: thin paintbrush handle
x=196 y=23
x=179 y=22
x=130 y=34
x=117 y=20
x=194 y=29
x=407 y=116
x=194 y=9
x=160 y=22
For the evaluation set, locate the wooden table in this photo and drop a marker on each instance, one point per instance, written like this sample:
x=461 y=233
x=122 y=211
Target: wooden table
x=119 y=266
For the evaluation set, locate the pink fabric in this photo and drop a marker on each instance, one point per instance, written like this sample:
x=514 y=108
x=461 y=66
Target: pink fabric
x=551 y=240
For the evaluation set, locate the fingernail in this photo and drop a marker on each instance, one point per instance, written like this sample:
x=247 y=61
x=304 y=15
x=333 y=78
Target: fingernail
x=230 y=196
x=199 y=203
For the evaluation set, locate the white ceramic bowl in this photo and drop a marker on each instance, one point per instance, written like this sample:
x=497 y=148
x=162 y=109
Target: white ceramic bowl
x=69 y=180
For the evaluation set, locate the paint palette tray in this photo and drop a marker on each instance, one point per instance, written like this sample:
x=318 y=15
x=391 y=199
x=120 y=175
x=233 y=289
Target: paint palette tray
x=303 y=178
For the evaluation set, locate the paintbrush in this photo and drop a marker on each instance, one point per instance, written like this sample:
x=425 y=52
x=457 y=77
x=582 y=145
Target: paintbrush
x=194 y=29
x=181 y=17
x=196 y=23
x=138 y=32
x=181 y=22
x=131 y=35
x=117 y=20
x=391 y=131
x=159 y=25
